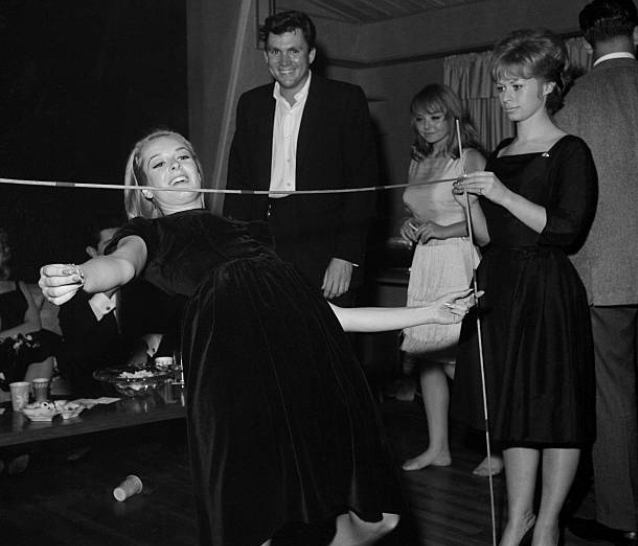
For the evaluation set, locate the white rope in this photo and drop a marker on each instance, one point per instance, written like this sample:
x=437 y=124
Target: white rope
x=91 y=185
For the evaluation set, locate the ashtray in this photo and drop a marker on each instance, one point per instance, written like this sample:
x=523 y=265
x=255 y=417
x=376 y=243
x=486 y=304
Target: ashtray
x=45 y=411
x=131 y=381
x=68 y=410
x=40 y=411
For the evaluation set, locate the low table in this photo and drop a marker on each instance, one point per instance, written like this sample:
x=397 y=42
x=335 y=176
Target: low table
x=17 y=429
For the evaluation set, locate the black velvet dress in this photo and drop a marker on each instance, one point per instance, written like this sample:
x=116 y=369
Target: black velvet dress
x=282 y=426
x=20 y=350
x=13 y=306
x=535 y=323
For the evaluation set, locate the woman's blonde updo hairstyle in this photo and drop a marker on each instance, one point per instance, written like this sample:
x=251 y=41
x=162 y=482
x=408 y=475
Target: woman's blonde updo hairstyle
x=135 y=203
x=533 y=53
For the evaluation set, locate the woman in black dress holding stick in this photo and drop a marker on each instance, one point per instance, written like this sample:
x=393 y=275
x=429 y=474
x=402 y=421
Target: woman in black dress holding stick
x=537 y=198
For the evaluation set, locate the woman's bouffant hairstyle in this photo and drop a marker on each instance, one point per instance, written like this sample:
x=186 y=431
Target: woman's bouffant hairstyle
x=603 y=20
x=533 y=53
x=5 y=255
x=135 y=203
x=438 y=98
x=289 y=21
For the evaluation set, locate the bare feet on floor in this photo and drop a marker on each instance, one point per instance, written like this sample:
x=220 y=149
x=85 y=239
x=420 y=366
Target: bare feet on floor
x=519 y=532
x=430 y=457
x=493 y=464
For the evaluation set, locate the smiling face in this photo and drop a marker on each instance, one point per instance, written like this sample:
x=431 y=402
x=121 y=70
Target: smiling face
x=289 y=58
x=433 y=127
x=522 y=98
x=168 y=162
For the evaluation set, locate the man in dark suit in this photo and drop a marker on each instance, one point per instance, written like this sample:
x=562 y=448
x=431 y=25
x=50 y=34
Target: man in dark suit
x=305 y=132
x=105 y=330
x=602 y=108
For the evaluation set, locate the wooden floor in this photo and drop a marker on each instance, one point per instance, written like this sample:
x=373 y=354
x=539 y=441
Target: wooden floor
x=59 y=502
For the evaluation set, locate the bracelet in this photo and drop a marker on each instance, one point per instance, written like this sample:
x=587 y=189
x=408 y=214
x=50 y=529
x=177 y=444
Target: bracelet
x=79 y=272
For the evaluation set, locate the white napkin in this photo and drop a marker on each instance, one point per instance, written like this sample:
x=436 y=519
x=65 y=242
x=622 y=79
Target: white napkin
x=90 y=402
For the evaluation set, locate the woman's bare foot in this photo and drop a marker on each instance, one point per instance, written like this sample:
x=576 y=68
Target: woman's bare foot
x=353 y=531
x=518 y=532
x=429 y=457
x=549 y=533
x=487 y=465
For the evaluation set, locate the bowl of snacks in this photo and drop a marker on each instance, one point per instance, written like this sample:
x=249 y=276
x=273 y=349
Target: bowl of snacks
x=132 y=381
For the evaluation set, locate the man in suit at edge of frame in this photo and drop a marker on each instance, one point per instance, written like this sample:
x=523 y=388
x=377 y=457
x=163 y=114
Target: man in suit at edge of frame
x=602 y=108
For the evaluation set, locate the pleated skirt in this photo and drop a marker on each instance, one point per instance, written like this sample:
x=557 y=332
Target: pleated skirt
x=438 y=267
x=537 y=351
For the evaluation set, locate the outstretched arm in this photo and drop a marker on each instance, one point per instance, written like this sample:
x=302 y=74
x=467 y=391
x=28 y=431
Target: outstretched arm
x=448 y=309
x=60 y=282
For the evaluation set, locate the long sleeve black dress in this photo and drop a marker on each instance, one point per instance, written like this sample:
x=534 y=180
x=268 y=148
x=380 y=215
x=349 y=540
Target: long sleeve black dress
x=536 y=329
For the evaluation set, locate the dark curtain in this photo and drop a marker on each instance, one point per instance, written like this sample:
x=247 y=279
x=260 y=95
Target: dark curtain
x=80 y=81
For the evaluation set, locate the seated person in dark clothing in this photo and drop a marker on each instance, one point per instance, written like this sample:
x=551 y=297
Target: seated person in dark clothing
x=130 y=326
x=24 y=345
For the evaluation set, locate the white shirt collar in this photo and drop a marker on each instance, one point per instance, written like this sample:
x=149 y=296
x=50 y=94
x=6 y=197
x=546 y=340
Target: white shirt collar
x=299 y=96
x=617 y=55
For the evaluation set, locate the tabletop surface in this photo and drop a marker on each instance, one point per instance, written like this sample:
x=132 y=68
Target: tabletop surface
x=16 y=428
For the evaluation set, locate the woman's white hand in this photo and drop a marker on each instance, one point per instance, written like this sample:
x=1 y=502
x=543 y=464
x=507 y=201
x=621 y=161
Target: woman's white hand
x=429 y=230
x=453 y=306
x=461 y=199
x=60 y=282
x=481 y=183
x=409 y=230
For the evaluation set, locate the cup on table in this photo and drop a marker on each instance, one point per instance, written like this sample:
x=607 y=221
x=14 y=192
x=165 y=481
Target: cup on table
x=40 y=387
x=164 y=363
x=130 y=486
x=19 y=394
x=179 y=394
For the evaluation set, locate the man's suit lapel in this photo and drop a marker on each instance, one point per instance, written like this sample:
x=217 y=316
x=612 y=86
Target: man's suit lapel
x=266 y=126
x=309 y=121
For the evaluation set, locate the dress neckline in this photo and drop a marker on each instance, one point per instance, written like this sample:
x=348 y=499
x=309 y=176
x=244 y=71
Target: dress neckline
x=183 y=212
x=545 y=153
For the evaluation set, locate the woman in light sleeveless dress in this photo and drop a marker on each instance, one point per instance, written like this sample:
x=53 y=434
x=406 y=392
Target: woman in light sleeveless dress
x=444 y=256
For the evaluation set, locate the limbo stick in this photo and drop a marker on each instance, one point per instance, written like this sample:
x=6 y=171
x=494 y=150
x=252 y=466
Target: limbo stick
x=95 y=186
x=470 y=231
